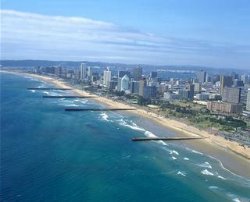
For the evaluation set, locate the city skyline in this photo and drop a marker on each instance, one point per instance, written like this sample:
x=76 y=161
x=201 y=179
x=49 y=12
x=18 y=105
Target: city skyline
x=164 y=33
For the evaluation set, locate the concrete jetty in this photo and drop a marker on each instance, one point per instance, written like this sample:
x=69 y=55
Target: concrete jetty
x=96 y=109
x=137 y=139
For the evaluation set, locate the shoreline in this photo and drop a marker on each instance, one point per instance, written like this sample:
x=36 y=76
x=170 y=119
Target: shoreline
x=232 y=148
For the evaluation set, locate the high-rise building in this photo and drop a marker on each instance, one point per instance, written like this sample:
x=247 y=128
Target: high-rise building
x=248 y=100
x=149 y=92
x=187 y=93
x=225 y=81
x=122 y=73
x=142 y=83
x=153 y=75
x=125 y=83
x=231 y=95
x=137 y=73
x=201 y=76
x=197 y=87
x=112 y=85
x=83 y=71
x=106 y=77
x=89 y=72
x=134 y=87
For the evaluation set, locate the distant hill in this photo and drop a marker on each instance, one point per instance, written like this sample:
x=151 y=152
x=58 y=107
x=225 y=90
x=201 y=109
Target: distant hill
x=34 y=63
x=115 y=66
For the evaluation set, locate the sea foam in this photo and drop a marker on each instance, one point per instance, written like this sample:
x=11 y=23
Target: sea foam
x=181 y=173
x=205 y=165
x=104 y=116
x=206 y=172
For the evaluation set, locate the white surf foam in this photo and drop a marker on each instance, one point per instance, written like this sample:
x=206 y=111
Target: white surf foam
x=174 y=158
x=150 y=134
x=186 y=159
x=181 y=173
x=33 y=91
x=205 y=165
x=222 y=166
x=122 y=122
x=213 y=187
x=196 y=152
x=221 y=177
x=174 y=152
x=206 y=172
x=104 y=116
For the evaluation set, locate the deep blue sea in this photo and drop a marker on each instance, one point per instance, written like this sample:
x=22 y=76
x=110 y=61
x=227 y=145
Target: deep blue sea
x=48 y=154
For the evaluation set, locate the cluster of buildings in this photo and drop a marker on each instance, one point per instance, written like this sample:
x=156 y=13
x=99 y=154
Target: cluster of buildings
x=220 y=93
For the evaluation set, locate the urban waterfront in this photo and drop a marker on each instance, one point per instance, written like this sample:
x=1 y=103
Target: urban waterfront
x=91 y=156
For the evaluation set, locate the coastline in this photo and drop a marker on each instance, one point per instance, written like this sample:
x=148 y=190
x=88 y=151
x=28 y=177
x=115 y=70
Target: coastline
x=210 y=141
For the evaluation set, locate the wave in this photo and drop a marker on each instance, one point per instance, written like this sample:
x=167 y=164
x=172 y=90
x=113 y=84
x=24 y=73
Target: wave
x=205 y=165
x=220 y=177
x=236 y=198
x=213 y=187
x=236 y=175
x=186 y=159
x=174 y=158
x=46 y=92
x=174 y=152
x=33 y=91
x=181 y=173
x=104 y=116
x=206 y=172
x=133 y=126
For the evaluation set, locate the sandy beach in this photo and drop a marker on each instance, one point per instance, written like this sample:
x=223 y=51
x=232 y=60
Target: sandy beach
x=211 y=140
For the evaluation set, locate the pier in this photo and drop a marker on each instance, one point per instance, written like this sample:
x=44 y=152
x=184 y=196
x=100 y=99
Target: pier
x=96 y=109
x=137 y=139
x=66 y=96
x=49 y=89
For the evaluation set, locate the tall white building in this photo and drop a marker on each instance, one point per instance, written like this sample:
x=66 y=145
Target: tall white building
x=89 y=72
x=106 y=77
x=248 y=100
x=125 y=83
x=83 y=71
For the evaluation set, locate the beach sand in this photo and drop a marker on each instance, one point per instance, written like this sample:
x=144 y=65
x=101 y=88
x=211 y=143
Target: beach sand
x=238 y=157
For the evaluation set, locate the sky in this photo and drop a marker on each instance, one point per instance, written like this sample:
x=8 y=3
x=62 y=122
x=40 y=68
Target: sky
x=210 y=33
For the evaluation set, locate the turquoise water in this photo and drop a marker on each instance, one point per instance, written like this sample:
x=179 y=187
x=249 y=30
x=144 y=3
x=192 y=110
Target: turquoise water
x=48 y=154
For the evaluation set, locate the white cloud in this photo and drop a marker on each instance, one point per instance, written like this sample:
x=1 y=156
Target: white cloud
x=35 y=36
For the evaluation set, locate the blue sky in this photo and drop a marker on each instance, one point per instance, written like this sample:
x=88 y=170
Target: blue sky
x=185 y=32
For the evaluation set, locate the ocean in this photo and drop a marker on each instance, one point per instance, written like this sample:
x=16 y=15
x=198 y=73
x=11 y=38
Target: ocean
x=48 y=154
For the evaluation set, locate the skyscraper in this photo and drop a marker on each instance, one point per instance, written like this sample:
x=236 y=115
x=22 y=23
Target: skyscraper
x=142 y=84
x=248 y=100
x=122 y=73
x=225 y=81
x=231 y=95
x=89 y=72
x=201 y=76
x=137 y=73
x=153 y=75
x=125 y=83
x=83 y=71
x=106 y=77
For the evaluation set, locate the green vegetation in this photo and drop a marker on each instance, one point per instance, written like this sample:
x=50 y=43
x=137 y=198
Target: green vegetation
x=201 y=117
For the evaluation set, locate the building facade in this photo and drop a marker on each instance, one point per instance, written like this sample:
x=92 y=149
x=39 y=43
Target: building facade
x=231 y=95
x=106 y=77
x=224 y=107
